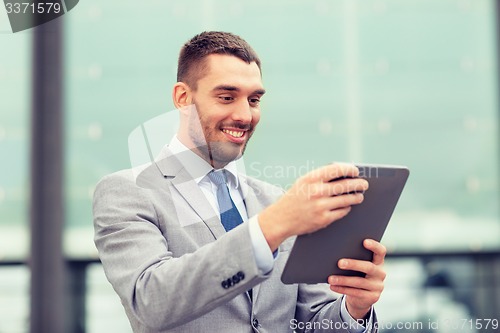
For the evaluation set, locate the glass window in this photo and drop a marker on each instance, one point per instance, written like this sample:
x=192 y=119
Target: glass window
x=363 y=81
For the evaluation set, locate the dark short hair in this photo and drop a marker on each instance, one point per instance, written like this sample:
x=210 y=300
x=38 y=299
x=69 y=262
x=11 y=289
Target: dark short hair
x=191 y=66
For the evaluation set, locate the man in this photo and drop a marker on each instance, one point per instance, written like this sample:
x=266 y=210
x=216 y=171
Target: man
x=171 y=239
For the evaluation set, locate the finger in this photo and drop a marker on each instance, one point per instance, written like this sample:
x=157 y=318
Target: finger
x=333 y=171
x=342 y=201
x=361 y=293
x=356 y=282
x=345 y=185
x=362 y=266
x=367 y=297
x=337 y=214
x=379 y=250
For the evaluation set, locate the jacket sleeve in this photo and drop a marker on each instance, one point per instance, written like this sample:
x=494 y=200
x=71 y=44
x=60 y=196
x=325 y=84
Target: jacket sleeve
x=320 y=307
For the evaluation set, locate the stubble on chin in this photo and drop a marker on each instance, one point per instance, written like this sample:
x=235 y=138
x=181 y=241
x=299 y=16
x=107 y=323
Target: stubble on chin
x=210 y=144
x=224 y=153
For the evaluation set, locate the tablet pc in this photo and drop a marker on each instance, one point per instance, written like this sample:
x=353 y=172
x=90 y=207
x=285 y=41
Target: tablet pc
x=314 y=256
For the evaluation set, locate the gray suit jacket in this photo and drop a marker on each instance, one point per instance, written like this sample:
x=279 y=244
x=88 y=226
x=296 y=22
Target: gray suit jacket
x=168 y=257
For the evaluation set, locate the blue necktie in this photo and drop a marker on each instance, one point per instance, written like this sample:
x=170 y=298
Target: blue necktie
x=229 y=215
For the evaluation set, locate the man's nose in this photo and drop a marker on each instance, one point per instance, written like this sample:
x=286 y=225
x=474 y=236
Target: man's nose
x=242 y=112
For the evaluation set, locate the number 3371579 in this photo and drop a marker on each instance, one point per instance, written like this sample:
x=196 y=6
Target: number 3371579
x=31 y=8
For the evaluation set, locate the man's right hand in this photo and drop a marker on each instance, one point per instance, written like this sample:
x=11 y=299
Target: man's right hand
x=317 y=199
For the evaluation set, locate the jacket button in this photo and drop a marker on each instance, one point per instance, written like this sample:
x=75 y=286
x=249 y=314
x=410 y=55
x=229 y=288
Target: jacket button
x=255 y=323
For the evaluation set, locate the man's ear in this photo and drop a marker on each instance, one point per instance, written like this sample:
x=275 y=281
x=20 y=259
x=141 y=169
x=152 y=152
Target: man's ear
x=182 y=95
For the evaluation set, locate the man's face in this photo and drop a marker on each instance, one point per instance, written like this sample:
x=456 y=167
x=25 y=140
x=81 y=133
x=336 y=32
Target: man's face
x=227 y=101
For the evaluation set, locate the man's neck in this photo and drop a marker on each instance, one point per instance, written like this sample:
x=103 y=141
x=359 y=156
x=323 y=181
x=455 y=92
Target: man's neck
x=202 y=152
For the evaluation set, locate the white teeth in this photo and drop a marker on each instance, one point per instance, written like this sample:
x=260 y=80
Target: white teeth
x=236 y=134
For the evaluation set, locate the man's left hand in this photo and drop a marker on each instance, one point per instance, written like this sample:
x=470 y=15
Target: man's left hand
x=361 y=292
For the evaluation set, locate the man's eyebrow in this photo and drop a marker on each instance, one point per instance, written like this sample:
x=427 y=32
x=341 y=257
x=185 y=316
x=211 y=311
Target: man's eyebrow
x=233 y=88
x=259 y=92
x=226 y=88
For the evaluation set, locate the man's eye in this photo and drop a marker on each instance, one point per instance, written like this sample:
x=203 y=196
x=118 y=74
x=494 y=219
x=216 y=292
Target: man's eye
x=255 y=100
x=226 y=98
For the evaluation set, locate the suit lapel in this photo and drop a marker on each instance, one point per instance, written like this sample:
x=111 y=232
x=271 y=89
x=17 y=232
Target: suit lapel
x=253 y=208
x=184 y=183
x=195 y=198
x=249 y=196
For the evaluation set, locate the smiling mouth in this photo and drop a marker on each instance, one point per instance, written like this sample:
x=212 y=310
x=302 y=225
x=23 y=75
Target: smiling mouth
x=233 y=133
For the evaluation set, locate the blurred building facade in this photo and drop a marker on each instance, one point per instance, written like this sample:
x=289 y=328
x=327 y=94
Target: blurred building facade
x=377 y=81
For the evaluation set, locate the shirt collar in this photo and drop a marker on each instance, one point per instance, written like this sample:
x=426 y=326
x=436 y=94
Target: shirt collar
x=196 y=166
